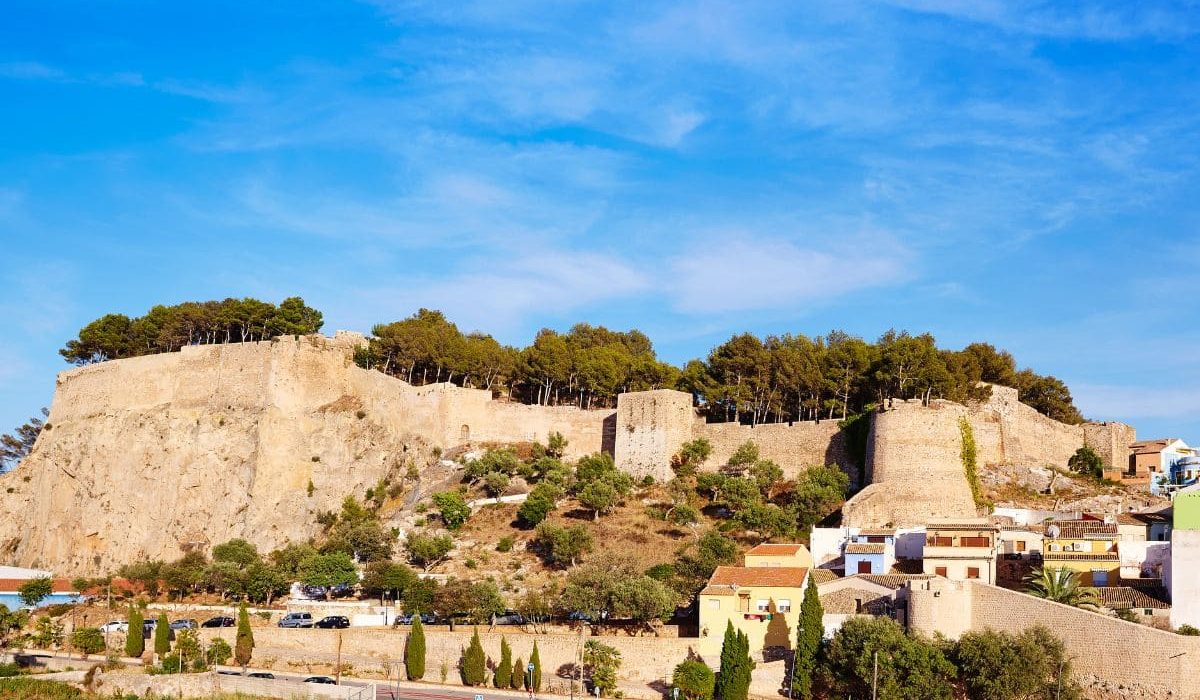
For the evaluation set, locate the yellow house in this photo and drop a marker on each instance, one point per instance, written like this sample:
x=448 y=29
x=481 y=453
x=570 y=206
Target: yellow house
x=794 y=555
x=762 y=601
x=1087 y=547
x=961 y=549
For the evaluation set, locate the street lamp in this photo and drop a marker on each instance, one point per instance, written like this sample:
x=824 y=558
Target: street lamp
x=529 y=684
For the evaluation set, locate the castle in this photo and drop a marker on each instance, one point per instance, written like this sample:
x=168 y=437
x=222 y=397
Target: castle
x=149 y=456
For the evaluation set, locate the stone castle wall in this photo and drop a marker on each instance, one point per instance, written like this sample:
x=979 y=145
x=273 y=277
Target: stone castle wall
x=795 y=446
x=1137 y=657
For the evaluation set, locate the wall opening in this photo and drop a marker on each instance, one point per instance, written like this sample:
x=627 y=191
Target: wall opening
x=464 y=433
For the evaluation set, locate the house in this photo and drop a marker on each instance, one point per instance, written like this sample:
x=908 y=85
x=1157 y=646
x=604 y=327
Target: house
x=1158 y=460
x=864 y=594
x=761 y=598
x=961 y=549
x=1145 y=602
x=1087 y=547
x=1185 y=558
x=12 y=578
x=870 y=551
x=794 y=555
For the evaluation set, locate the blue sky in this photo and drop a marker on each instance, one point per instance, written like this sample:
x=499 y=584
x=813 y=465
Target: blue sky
x=1018 y=172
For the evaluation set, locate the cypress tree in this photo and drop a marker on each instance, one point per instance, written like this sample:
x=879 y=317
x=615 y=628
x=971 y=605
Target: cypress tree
x=738 y=687
x=728 y=663
x=162 y=635
x=414 y=651
x=536 y=660
x=474 y=662
x=243 y=649
x=518 y=672
x=808 y=642
x=503 y=677
x=135 y=641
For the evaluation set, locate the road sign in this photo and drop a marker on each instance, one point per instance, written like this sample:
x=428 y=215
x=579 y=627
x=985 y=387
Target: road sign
x=478 y=696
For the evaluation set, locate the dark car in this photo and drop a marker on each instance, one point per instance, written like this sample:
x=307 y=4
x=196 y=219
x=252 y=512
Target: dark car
x=262 y=674
x=509 y=617
x=333 y=622
x=220 y=621
x=407 y=619
x=324 y=680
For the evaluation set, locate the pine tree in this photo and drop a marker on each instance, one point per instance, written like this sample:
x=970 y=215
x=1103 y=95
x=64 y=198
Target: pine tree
x=518 y=672
x=474 y=662
x=808 y=642
x=503 y=677
x=728 y=671
x=243 y=648
x=414 y=651
x=536 y=660
x=162 y=635
x=135 y=641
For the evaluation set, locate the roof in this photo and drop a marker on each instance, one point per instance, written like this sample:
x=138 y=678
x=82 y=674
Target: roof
x=1082 y=529
x=865 y=548
x=776 y=550
x=1116 y=597
x=10 y=585
x=885 y=531
x=894 y=580
x=1143 y=518
x=1146 y=447
x=765 y=576
x=960 y=524
x=820 y=576
x=7 y=572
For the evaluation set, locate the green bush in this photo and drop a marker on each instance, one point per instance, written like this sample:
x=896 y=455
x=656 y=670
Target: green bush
x=89 y=640
x=694 y=679
x=505 y=544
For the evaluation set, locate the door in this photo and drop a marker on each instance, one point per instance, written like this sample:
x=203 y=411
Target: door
x=864 y=567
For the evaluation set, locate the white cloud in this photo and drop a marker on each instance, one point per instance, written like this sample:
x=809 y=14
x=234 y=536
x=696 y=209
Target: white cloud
x=1088 y=20
x=745 y=273
x=30 y=70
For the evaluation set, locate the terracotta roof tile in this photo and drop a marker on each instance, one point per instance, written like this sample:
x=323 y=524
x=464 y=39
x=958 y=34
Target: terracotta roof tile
x=1116 y=597
x=884 y=531
x=1083 y=529
x=894 y=580
x=851 y=602
x=865 y=548
x=822 y=575
x=10 y=585
x=776 y=550
x=768 y=576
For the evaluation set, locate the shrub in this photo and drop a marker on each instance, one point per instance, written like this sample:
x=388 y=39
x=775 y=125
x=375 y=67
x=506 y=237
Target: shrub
x=453 y=508
x=474 y=663
x=538 y=504
x=219 y=652
x=414 y=651
x=89 y=640
x=505 y=544
x=1188 y=631
x=694 y=679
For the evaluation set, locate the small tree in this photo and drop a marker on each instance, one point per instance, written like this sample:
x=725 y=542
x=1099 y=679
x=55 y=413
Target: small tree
x=243 y=649
x=536 y=660
x=89 y=640
x=603 y=662
x=503 y=677
x=563 y=546
x=808 y=641
x=518 y=672
x=599 y=496
x=135 y=640
x=1085 y=461
x=162 y=635
x=35 y=590
x=414 y=650
x=496 y=483
x=329 y=570
x=694 y=679
x=218 y=652
x=539 y=504
x=453 y=508
x=426 y=551
x=474 y=662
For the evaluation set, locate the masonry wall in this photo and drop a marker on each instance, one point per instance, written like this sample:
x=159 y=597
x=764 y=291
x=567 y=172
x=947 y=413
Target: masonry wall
x=644 y=659
x=1157 y=663
x=650 y=428
x=795 y=446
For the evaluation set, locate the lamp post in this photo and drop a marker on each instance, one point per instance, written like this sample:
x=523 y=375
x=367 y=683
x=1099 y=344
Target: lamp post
x=529 y=683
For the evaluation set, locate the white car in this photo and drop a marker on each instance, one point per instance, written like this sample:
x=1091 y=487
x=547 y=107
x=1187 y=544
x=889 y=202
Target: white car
x=114 y=626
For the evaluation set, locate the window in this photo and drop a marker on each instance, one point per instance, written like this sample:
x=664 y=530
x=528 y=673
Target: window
x=1148 y=612
x=936 y=541
x=972 y=572
x=875 y=539
x=940 y=571
x=1099 y=577
x=1020 y=545
x=744 y=604
x=714 y=604
x=763 y=605
x=784 y=605
x=864 y=567
x=975 y=541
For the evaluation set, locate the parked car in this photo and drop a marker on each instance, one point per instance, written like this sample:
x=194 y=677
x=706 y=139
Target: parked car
x=510 y=617
x=262 y=674
x=114 y=626
x=407 y=619
x=298 y=619
x=184 y=625
x=220 y=621
x=333 y=622
x=324 y=680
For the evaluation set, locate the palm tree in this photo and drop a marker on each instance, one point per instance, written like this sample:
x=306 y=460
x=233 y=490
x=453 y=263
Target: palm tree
x=1060 y=586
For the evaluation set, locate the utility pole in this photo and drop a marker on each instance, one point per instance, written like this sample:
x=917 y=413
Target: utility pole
x=339 y=658
x=874 y=675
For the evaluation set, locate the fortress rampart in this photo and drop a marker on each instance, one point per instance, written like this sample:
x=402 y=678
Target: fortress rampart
x=150 y=455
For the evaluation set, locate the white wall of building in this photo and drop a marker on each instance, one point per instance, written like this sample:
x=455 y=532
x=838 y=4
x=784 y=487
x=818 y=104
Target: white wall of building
x=1185 y=579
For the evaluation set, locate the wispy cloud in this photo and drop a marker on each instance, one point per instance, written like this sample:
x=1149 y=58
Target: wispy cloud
x=30 y=70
